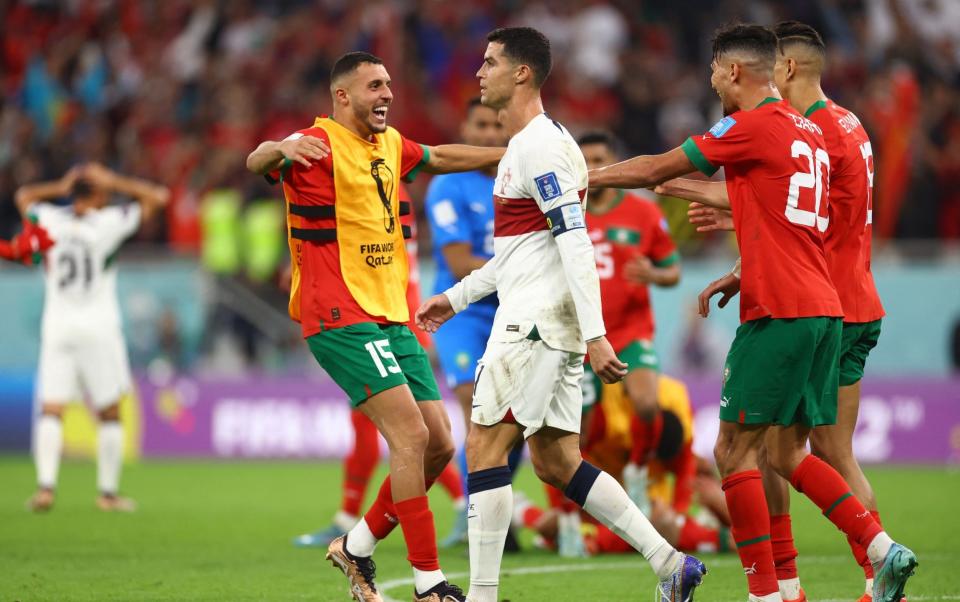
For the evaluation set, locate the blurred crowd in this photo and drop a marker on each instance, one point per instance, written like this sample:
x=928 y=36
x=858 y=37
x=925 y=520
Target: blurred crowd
x=179 y=91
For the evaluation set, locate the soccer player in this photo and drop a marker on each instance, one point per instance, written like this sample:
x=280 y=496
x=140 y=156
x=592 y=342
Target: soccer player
x=361 y=461
x=633 y=250
x=460 y=211
x=800 y=61
x=28 y=246
x=782 y=370
x=340 y=179
x=528 y=381
x=82 y=350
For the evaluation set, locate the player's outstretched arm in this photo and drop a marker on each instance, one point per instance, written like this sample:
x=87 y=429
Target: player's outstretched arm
x=644 y=171
x=271 y=155
x=476 y=285
x=450 y=158
x=28 y=194
x=728 y=286
x=711 y=194
x=643 y=271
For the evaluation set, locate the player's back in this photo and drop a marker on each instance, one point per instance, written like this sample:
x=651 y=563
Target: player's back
x=847 y=239
x=777 y=168
x=81 y=274
x=542 y=170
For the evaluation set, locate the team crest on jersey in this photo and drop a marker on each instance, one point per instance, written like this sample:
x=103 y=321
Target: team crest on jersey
x=548 y=186
x=722 y=127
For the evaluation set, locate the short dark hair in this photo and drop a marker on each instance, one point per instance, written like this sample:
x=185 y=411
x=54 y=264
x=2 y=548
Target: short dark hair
x=350 y=61
x=525 y=46
x=598 y=137
x=795 y=32
x=752 y=39
x=82 y=188
x=671 y=437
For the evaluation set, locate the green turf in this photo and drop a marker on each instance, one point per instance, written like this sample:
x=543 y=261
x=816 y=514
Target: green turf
x=221 y=531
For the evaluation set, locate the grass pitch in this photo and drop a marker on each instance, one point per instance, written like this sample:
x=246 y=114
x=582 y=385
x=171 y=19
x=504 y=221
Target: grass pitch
x=222 y=531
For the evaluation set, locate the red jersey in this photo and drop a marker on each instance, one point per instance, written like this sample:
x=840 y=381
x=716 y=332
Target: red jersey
x=320 y=297
x=777 y=171
x=413 y=283
x=847 y=239
x=633 y=227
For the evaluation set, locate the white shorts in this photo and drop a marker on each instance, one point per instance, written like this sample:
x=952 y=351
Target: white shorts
x=71 y=366
x=540 y=385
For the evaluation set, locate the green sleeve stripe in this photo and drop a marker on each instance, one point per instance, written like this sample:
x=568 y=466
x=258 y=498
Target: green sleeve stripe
x=696 y=157
x=287 y=162
x=815 y=107
x=413 y=173
x=750 y=542
x=839 y=501
x=667 y=261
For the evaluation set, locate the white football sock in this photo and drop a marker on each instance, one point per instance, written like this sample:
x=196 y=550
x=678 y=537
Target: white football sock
x=869 y=589
x=424 y=581
x=109 y=456
x=878 y=548
x=360 y=540
x=789 y=588
x=488 y=519
x=609 y=503
x=344 y=520
x=47 y=446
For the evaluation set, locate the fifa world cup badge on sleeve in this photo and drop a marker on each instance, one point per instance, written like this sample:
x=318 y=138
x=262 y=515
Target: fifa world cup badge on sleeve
x=722 y=127
x=548 y=186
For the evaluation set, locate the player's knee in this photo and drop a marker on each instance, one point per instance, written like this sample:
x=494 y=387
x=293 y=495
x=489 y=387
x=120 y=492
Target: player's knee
x=110 y=413
x=830 y=451
x=439 y=454
x=784 y=461
x=412 y=438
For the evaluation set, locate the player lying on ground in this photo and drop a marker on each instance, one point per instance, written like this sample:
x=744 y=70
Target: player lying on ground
x=340 y=179
x=677 y=477
x=789 y=307
x=528 y=382
x=82 y=350
x=800 y=63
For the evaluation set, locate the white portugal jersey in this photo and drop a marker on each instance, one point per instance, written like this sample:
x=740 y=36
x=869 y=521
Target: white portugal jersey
x=81 y=276
x=543 y=268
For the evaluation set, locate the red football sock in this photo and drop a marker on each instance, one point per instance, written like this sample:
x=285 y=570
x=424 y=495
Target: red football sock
x=609 y=542
x=826 y=488
x=784 y=551
x=382 y=516
x=695 y=537
x=558 y=501
x=531 y=516
x=645 y=433
x=449 y=479
x=860 y=552
x=751 y=530
x=360 y=464
x=416 y=520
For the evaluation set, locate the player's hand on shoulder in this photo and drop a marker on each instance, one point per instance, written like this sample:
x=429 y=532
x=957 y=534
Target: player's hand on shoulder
x=433 y=313
x=304 y=149
x=604 y=361
x=709 y=219
x=728 y=286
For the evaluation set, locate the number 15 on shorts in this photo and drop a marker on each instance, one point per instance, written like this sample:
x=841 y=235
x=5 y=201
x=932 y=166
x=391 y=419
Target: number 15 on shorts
x=380 y=352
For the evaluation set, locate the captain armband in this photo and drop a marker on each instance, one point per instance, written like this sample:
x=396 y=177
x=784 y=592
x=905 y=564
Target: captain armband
x=565 y=218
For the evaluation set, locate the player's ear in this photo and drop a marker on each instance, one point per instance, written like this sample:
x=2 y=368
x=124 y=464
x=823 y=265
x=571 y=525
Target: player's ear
x=734 y=72
x=791 y=68
x=340 y=96
x=522 y=74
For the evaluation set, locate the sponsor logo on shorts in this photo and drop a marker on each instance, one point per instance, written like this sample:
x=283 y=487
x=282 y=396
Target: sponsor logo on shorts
x=513 y=328
x=724 y=401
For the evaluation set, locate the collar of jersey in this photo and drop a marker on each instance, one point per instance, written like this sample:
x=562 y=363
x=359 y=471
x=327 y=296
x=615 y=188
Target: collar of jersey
x=767 y=101
x=820 y=104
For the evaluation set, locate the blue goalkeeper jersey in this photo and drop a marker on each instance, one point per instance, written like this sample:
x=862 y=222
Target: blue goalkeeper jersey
x=460 y=209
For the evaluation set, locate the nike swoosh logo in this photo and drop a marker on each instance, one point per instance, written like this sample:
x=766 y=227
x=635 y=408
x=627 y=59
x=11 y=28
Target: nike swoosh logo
x=476 y=406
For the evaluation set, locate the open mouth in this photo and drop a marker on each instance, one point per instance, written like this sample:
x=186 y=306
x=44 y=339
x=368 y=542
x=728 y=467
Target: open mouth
x=380 y=113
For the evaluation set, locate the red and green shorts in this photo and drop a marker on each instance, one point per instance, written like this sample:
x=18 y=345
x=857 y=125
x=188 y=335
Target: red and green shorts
x=857 y=341
x=636 y=354
x=368 y=358
x=783 y=371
